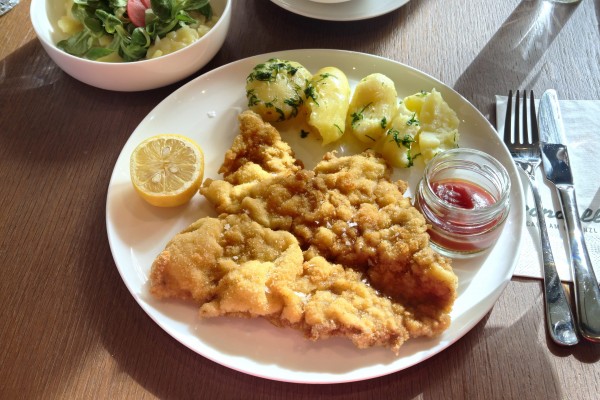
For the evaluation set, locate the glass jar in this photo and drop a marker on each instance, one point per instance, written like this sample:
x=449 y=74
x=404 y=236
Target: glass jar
x=465 y=197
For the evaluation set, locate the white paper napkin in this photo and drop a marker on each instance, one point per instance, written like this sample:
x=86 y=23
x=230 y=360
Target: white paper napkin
x=582 y=125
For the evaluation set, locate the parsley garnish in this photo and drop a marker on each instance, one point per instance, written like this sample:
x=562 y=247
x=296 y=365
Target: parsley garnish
x=268 y=71
x=325 y=76
x=279 y=111
x=252 y=98
x=309 y=92
x=294 y=103
x=358 y=116
x=413 y=121
x=405 y=140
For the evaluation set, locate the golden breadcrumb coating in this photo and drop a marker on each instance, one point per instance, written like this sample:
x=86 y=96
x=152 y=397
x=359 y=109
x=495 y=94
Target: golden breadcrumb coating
x=258 y=153
x=234 y=266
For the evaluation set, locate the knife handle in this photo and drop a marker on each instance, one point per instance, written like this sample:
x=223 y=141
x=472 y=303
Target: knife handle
x=587 y=291
x=559 y=319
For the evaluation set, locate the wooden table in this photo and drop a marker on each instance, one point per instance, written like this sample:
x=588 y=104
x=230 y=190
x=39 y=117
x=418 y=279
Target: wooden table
x=69 y=327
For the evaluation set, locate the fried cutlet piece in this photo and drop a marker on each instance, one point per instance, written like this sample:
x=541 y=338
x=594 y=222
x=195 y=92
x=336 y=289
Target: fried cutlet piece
x=257 y=152
x=349 y=212
x=234 y=266
x=195 y=261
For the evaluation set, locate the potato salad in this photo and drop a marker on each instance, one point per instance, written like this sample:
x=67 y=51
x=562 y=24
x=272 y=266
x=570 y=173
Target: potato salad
x=132 y=30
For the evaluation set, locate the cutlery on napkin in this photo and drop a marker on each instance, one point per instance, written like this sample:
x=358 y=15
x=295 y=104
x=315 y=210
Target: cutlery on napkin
x=582 y=121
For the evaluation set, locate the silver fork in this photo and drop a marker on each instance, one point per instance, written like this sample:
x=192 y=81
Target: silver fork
x=526 y=154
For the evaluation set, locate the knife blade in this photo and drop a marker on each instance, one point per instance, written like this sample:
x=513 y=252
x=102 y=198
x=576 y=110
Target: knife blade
x=557 y=168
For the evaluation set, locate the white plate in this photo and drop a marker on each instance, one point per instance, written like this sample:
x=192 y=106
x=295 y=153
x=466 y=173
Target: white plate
x=352 y=10
x=206 y=110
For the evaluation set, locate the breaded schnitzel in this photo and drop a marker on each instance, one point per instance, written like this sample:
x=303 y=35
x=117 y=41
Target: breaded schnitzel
x=335 y=251
x=348 y=211
x=258 y=153
x=233 y=266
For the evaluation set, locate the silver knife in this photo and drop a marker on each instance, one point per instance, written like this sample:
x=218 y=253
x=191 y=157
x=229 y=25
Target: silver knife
x=558 y=171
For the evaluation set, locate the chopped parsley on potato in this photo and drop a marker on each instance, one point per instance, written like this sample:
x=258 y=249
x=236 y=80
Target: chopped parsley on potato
x=438 y=123
x=373 y=105
x=401 y=130
x=328 y=98
x=275 y=90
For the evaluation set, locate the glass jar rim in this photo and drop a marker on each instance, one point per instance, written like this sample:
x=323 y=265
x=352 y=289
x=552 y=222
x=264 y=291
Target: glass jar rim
x=454 y=154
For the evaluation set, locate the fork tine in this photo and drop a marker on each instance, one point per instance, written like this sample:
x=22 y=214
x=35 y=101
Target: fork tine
x=525 y=121
x=518 y=138
x=508 y=119
x=535 y=137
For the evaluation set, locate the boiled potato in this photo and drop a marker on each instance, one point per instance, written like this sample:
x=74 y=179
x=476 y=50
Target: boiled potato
x=67 y=23
x=173 y=41
x=396 y=146
x=373 y=105
x=275 y=89
x=439 y=123
x=327 y=99
x=432 y=109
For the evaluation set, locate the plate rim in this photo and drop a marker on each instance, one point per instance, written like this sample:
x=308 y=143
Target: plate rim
x=335 y=16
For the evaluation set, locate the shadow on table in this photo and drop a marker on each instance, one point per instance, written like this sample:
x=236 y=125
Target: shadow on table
x=509 y=59
x=31 y=82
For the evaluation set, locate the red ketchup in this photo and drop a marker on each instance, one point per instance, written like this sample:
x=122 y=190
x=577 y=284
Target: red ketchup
x=463 y=206
x=461 y=193
x=468 y=196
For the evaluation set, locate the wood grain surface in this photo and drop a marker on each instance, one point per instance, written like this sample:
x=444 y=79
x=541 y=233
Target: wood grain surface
x=69 y=329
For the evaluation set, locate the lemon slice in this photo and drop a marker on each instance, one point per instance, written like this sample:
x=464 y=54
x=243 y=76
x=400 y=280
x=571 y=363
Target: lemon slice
x=167 y=170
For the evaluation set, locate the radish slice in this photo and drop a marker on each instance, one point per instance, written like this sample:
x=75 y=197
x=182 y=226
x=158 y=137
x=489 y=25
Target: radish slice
x=136 y=10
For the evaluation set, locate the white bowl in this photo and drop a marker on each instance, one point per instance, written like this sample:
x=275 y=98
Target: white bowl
x=129 y=76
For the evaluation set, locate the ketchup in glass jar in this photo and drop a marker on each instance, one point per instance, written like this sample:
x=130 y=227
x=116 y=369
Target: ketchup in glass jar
x=464 y=196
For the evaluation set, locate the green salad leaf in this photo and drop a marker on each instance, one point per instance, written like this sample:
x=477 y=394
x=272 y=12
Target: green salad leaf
x=106 y=21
